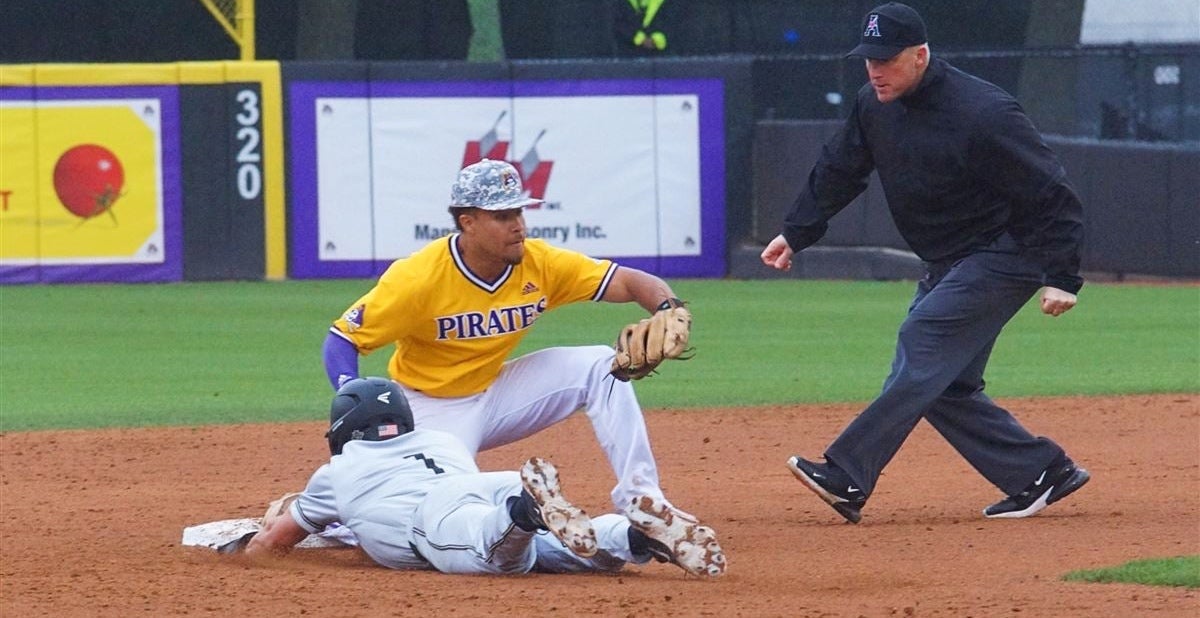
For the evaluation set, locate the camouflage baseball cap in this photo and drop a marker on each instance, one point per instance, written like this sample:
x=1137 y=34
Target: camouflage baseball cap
x=489 y=185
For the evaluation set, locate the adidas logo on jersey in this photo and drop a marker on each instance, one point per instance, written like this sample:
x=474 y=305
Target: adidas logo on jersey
x=529 y=288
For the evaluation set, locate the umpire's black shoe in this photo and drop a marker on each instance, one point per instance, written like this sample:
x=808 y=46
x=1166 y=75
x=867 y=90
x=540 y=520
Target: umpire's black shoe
x=1055 y=483
x=833 y=486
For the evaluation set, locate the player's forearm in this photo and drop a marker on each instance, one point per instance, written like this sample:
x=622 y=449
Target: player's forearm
x=277 y=539
x=341 y=360
x=633 y=285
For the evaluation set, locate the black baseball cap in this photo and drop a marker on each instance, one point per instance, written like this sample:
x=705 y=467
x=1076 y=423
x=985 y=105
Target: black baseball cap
x=889 y=29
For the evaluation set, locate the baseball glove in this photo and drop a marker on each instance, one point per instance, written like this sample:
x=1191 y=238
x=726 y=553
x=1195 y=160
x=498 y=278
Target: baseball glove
x=641 y=346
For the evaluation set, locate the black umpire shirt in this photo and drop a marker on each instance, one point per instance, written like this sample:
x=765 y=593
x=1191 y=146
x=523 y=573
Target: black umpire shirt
x=960 y=164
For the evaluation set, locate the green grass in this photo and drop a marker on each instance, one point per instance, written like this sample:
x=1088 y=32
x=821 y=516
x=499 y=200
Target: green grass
x=1183 y=572
x=199 y=353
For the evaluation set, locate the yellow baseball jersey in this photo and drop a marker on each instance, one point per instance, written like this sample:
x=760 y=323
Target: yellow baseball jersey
x=453 y=330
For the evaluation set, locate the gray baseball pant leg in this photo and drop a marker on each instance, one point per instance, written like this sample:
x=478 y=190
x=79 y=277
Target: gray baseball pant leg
x=946 y=338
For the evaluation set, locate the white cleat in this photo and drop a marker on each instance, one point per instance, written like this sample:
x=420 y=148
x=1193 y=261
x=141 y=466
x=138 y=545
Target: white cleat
x=677 y=537
x=567 y=522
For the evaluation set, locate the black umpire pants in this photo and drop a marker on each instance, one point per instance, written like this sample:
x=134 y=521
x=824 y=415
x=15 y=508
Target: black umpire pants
x=942 y=349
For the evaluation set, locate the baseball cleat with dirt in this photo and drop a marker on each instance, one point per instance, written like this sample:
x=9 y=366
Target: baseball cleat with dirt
x=676 y=537
x=567 y=522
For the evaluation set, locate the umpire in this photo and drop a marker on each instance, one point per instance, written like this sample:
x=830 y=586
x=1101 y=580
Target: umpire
x=978 y=195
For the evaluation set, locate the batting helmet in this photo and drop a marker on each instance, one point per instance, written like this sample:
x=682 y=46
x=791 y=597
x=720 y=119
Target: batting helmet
x=367 y=409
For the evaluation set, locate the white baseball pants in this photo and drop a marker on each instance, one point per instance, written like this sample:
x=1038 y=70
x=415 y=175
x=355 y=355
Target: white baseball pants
x=463 y=526
x=541 y=389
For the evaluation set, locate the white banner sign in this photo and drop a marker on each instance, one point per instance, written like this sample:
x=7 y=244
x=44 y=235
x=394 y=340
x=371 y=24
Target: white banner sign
x=620 y=174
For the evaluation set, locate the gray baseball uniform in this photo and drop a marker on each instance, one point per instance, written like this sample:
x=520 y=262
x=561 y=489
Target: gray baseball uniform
x=418 y=501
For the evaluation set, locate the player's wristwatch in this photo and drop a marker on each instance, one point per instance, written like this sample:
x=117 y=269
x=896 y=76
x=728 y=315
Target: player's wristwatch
x=670 y=303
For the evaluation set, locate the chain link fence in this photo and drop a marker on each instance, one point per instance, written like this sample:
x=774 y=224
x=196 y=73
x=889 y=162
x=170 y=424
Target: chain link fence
x=1132 y=92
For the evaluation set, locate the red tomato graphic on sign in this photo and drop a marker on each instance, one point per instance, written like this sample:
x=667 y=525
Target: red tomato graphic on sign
x=88 y=180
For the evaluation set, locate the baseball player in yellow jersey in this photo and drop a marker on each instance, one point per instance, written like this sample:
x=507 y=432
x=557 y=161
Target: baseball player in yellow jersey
x=455 y=310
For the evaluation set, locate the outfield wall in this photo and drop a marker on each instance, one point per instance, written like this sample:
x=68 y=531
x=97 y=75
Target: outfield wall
x=141 y=173
x=634 y=162
x=169 y=172
x=1141 y=207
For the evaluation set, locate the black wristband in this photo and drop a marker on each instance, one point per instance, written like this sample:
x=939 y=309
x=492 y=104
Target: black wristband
x=670 y=303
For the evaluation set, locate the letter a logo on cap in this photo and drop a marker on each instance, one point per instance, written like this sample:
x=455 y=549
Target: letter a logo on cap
x=872 y=26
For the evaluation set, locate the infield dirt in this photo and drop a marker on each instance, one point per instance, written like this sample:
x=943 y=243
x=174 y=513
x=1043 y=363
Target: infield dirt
x=92 y=523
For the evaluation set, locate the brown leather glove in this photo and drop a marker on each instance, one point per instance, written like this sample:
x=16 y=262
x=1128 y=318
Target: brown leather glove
x=641 y=346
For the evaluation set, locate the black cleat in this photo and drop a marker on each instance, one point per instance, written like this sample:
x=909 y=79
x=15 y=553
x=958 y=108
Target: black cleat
x=832 y=485
x=1055 y=483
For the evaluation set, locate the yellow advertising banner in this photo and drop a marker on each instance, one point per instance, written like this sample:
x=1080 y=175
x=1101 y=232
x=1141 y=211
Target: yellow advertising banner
x=89 y=190
x=92 y=171
x=18 y=185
